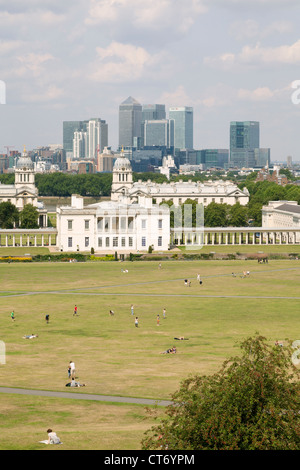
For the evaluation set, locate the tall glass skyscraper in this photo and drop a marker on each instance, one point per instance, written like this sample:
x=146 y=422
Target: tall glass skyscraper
x=153 y=112
x=183 y=127
x=130 y=120
x=69 y=127
x=244 y=135
x=159 y=132
x=244 y=138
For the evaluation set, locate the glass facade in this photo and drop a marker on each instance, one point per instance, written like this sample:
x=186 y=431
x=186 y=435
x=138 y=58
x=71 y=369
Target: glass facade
x=130 y=120
x=183 y=127
x=244 y=138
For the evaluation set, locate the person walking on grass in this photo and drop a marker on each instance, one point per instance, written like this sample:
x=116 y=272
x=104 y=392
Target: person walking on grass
x=12 y=316
x=72 y=369
x=157 y=320
x=132 y=309
x=164 y=313
x=136 y=322
x=75 y=311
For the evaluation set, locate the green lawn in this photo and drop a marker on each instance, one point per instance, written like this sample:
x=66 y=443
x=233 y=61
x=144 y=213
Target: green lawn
x=112 y=356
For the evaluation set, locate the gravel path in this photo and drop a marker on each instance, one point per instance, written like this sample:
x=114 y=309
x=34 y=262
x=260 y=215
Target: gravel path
x=85 y=396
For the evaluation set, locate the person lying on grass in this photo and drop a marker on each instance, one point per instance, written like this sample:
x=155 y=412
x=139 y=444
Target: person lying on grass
x=169 y=351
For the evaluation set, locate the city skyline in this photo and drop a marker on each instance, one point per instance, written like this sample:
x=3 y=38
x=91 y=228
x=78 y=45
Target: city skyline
x=229 y=60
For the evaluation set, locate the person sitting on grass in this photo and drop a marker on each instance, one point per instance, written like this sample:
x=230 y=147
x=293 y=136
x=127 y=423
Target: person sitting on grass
x=74 y=384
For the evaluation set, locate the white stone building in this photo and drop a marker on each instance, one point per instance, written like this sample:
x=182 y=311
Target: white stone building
x=282 y=214
x=111 y=226
x=24 y=191
x=177 y=192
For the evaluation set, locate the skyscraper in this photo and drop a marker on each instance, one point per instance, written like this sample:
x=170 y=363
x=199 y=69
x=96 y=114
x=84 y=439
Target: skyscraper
x=244 y=138
x=153 y=112
x=183 y=126
x=130 y=120
x=159 y=132
x=244 y=135
x=69 y=127
x=97 y=135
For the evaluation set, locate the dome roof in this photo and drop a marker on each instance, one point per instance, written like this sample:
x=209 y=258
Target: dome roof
x=122 y=163
x=25 y=161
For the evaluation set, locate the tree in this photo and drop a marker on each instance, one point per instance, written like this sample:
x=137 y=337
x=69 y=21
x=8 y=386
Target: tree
x=215 y=215
x=252 y=403
x=9 y=215
x=238 y=215
x=29 y=217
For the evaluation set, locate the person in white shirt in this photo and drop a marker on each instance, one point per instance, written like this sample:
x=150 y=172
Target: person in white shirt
x=52 y=437
x=72 y=367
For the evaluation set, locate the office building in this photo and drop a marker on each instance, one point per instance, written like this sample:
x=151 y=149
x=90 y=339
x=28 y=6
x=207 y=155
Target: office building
x=130 y=120
x=97 y=136
x=69 y=127
x=183 y=126
x=153 y=112
x=159 y=133
x=244 y=138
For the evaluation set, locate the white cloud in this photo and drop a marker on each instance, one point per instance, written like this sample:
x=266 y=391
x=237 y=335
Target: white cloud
x=47 y=94
x=122 y=62
x=251 y=29
x=178 y=14
x=258 y=55
x=34 y=62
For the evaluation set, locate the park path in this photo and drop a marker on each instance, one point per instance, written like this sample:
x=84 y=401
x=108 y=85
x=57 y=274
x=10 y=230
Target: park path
x=85 y=396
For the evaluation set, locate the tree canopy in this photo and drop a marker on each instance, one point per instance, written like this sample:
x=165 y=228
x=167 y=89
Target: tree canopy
x=252 y=403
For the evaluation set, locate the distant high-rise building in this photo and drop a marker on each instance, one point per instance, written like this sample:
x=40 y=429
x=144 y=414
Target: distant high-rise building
x=183 y=127
x=83 y=139
x=79 y=144
x=158 y=133
x=153 y=112
x=130 y=120
x=244 y=138
x=69 y=127
x=97 y=135
x=244 y=135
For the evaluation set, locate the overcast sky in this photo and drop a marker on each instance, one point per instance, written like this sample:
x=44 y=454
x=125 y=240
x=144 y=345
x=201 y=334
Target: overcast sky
x=77 y=59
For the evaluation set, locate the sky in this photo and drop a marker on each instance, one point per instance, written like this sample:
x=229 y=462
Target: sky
x=231 y=60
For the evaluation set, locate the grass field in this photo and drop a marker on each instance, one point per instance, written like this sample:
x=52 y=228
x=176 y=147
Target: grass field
x=112 y=356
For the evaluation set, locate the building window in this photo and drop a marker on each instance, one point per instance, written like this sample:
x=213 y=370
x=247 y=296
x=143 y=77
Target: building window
x=144 y=224
x=130 y=241
x=159 y=241
x=205 y=200
x=100 y=242
x=86 y=241
x=143 y=241
x=115 y=241
x=106 y=224
x=123 y=241
x=221 y=200
x=86 y=224
x=160 y=223
x=70 y=224
x=100 y=224
x=69 y=242
x=107 y=242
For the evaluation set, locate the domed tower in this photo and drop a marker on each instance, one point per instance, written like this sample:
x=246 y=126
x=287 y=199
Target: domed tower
x=122 y=177
x=26 y=191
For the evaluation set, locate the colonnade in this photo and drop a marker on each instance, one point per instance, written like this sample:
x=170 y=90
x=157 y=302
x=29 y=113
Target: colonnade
x=234 y=236
x=32 y=237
